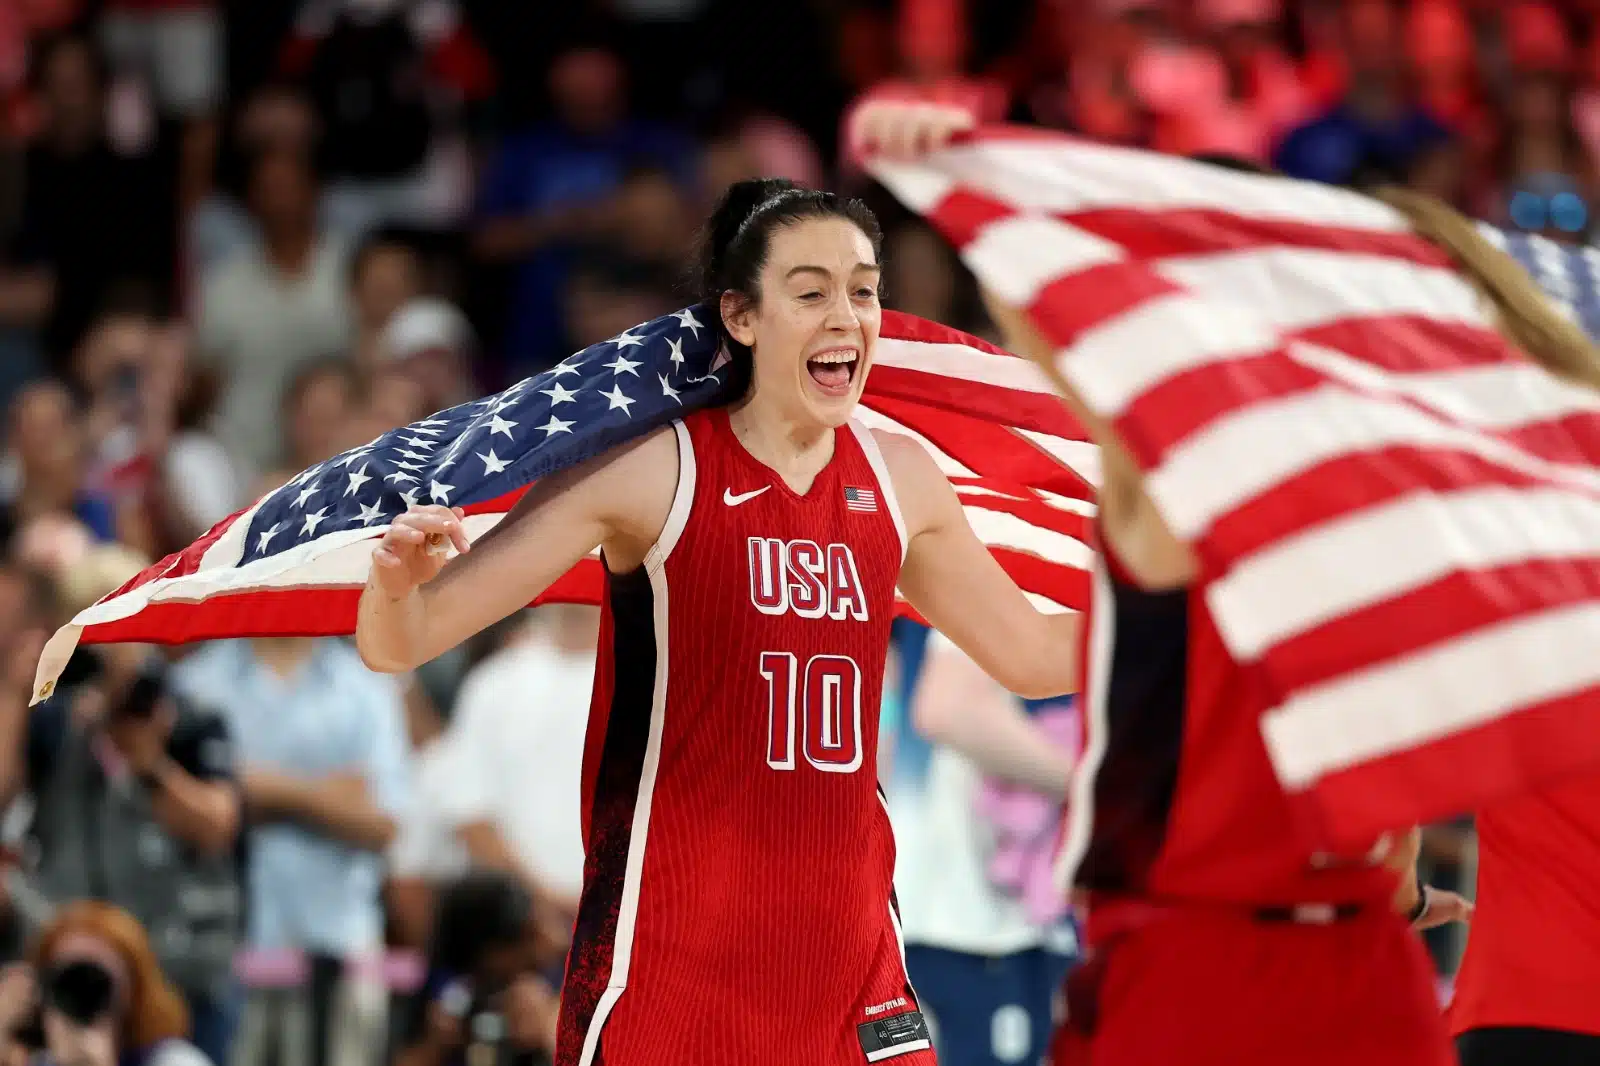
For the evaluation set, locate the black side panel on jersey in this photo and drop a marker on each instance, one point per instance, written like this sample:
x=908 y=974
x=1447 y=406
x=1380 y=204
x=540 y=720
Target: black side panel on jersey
x=1136 y=781
x=616 y=794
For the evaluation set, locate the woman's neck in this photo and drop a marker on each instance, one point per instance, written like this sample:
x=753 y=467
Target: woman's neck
x=796 y=451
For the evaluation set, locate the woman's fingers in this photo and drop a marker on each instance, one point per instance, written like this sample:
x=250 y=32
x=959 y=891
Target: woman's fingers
x=908 y=129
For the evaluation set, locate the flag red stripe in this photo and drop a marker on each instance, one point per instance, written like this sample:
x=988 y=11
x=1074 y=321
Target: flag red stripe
x=1432 y=614
x=1346 y=485
x=1156 y=234
x=289 y=612
x=1040 y=412
x=1168 y=414
x=985 y=448
x=1065 y=585
x=1411 y=343
x=897 y=325
x=1074 y=304
x=1035 y=513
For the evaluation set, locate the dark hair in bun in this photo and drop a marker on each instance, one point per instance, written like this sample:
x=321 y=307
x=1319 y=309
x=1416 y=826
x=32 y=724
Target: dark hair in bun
x=738 y=236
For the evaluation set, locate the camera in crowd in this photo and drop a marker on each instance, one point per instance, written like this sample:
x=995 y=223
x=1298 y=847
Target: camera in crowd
x=81 y=991
x=483 y=944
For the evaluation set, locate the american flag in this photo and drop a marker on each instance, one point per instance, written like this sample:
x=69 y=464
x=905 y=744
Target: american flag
x=294 y=563
x=864 y=500
x=1397 y=515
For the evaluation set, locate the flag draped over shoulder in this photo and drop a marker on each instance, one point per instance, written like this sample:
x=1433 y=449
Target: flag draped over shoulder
x=1397 y=514
x=294 y=563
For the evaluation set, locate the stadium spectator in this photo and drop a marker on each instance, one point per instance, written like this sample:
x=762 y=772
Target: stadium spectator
x=427 y=853
x=135 y=802
x=93 y=219
x=274 y=117
x=174 y=48
x=324 y=775
x=1376 y=131
x=317 y=404
x=516 y=750
x=199 y=481
x=45 y=463
x=554 y=185
x=390 y=79
x=93 y=994
x=430 y=341
x=385 y=275
x=268 y=310
x=483 y=999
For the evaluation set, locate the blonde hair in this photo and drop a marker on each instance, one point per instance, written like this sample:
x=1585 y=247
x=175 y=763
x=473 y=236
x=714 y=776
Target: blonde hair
x=155 y=1010
x=1525 y=315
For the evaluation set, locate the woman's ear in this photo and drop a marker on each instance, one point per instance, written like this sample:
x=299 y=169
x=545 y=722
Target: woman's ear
x=738 y=317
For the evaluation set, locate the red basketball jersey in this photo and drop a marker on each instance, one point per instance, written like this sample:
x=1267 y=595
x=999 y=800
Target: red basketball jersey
x=1533 y=953
x=737 y=902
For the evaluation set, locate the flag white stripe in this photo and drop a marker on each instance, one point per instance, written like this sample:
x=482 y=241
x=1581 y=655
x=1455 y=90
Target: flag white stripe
x=229 y=548
x=1470 y=680
x=1022 y=255
x=1117 y=361
x=1383 y=552
x=1068 y=503
x=1496 y=396
x=1064 y=176
x=959 y=363
x=1081 y=456
x=1001 y=529
x=1223 y=466
x=1049 y=499
x=1299 y=288
x=948 y=465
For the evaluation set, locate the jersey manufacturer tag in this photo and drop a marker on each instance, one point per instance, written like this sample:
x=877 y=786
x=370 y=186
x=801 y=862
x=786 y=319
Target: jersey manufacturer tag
x=898 y=1034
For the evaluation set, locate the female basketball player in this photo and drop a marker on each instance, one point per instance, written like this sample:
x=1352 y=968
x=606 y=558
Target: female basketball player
x=1217 y=941
x=737 y=900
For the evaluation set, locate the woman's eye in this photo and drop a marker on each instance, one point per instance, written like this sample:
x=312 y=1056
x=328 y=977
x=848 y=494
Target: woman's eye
x=866 y=293
x=811 y=295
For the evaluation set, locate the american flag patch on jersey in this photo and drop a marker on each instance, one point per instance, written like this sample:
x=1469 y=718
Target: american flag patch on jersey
x=863 y=500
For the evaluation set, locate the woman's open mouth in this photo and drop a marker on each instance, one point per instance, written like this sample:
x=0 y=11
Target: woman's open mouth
x=834 y=370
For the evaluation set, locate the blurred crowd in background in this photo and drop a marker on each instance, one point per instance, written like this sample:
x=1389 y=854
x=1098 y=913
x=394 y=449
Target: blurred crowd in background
x=237 y=237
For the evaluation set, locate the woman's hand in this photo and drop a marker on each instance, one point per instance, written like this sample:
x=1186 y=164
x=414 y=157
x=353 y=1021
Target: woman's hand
x=906 y=129
x=414 y=549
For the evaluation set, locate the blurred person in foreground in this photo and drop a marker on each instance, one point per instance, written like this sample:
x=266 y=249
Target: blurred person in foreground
x=135 y=803
x=483 y=1002
x=324 y=775
x=92 y=994
x=270 y=309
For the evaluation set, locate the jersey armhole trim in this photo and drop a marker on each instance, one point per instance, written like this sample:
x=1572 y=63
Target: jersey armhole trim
x=682 y=503
x=874 y=454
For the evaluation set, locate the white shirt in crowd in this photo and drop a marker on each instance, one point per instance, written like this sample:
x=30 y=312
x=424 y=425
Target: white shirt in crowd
x=259 y=326
x=425 y=845
x=515 y=745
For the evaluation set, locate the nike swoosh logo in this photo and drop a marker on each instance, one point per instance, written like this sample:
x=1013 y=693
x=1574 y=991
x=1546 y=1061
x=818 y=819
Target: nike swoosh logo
x=733 y=501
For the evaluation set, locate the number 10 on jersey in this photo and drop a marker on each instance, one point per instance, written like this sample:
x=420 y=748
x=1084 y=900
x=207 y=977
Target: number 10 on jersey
x=822 y=702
